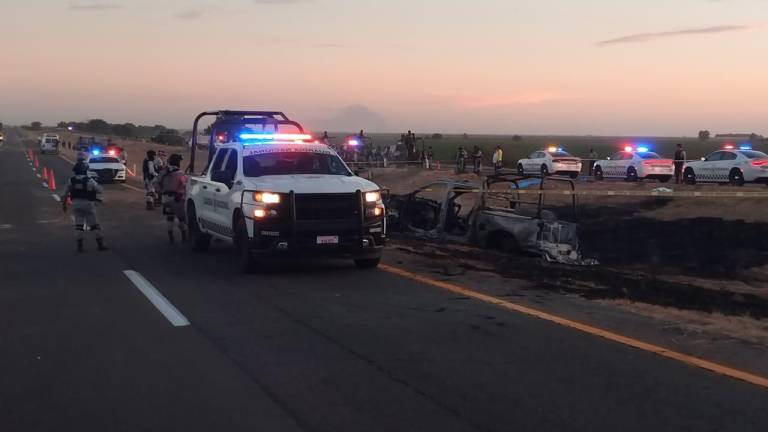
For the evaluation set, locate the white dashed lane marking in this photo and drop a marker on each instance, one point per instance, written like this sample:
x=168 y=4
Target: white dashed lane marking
x=157 y=299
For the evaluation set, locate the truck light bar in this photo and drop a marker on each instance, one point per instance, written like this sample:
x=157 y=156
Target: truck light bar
x=275 y=137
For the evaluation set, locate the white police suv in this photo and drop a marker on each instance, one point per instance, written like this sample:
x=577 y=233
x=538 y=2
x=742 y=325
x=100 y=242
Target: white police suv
x=277 y=194
x=730 y=165
x=635 y=163
x=553 y=160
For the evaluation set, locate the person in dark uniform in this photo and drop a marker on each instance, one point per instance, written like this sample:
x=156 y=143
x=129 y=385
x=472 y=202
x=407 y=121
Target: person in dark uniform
x=83 y=191
x=680 y=158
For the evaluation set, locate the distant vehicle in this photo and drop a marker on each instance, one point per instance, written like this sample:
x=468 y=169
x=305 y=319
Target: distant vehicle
x=276 y=194
x=553 y=160
x=2 y=137
x=730 y=165
x=105 y=168
x=49 y=143
x=635 y=163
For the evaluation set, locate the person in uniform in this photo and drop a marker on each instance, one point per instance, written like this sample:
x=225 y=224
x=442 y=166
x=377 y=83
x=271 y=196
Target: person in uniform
x=149 y=172
x=680 y=158
x=83 y=191
x=172 y=183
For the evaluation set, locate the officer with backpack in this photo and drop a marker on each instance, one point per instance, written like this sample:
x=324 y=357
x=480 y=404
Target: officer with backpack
x=149 y=172
x=172 y=183
x=83 y=191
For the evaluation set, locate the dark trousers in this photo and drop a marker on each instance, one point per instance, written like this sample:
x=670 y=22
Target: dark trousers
x=679 y=171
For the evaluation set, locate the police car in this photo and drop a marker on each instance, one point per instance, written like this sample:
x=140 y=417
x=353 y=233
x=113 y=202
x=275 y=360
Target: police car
x=729 y=165
x=635 y=163
x=277 y=194
x=553 y=160
x=105 y=167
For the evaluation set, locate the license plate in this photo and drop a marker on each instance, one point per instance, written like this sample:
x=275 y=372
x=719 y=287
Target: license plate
x=324 y=240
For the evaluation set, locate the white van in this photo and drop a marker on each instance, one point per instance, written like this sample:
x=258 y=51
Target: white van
x=49 y=143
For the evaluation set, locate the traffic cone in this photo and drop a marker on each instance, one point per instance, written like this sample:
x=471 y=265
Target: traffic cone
x=69 y=200
x=438 y=165
x=35 y=163
x=51 y=182
x=45 y=174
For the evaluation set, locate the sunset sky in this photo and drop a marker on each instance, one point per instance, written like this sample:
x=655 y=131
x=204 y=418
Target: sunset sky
x=634 y=67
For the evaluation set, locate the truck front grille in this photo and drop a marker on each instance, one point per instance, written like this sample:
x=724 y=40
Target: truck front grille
x=326 y=206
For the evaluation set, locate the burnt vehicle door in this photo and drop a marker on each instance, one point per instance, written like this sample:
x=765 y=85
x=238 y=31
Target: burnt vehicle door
x=421 y=211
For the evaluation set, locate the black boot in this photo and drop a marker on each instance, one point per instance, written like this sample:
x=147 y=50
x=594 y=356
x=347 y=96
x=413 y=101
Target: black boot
x=79 y=245
x=100 y=243
x=171 y=239
x=184 y=236
x=150 y=205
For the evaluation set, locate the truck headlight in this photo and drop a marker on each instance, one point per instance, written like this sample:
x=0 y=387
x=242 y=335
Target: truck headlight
x=266 y=197
x=372 y=197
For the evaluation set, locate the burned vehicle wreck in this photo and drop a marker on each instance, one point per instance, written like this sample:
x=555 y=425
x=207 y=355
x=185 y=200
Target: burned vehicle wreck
x=492 y=214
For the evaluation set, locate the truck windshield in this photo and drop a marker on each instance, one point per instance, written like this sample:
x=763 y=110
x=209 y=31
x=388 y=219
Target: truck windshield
x=287 y=163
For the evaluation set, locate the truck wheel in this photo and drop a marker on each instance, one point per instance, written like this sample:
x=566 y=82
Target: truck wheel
x=574 y=175
x=245 y=260
x=736 y=178
x=544 y=171
x=367 y=263
x=598 y=173
x=520 y=170
x=200 y=241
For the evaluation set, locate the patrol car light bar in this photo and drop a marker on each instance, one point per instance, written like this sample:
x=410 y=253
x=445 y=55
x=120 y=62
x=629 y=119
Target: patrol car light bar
x=553 y=149
x=728 y=147
x=353 y=142
x=275 y=137
x=642 y=149
x=745 y=147
x=96 y=152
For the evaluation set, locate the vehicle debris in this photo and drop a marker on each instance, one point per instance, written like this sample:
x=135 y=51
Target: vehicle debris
x=490 y=214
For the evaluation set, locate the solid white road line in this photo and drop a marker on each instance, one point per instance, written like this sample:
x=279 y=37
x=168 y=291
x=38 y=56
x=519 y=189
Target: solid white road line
x=131 y=187
x=153 y=295
x=56 y=197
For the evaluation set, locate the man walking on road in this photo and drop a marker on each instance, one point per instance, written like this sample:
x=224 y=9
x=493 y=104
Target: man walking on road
x=172 y=183
x=149 y=172
x=680 y=158
x=84 y=192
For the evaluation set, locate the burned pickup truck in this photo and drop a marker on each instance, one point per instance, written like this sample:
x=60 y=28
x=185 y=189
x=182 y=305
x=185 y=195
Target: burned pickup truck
x=493 y=214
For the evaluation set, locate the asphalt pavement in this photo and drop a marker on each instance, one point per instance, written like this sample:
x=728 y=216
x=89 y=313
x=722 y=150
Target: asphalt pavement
x=313 y=346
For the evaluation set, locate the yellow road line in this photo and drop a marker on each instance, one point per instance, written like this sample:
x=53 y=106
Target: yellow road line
x=131 y=187
x=615 y=337
x=67 y=159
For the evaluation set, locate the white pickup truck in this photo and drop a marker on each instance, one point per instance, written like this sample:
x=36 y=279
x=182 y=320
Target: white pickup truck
x=275 y=194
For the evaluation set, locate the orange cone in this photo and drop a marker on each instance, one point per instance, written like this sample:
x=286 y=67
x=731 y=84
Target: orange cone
x=35 y=163
x=438 y=165
x=51 y=182
x=45 y=174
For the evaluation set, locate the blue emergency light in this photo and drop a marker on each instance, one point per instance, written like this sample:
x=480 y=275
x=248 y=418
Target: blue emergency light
x=745 y=147
x=642 y=149
x=96 y=152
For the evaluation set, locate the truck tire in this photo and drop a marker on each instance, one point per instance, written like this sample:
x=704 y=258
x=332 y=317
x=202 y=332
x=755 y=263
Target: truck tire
x=632 y=175
x=367 y=263
x=200 y=241
x=689 y=177
x=520 y=170
x=245 y=260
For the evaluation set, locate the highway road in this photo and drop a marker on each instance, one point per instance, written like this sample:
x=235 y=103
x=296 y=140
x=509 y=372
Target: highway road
x=301 y=347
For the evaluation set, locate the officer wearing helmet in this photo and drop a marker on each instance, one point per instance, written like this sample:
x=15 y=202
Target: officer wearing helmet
x=83 y=191
x=172 y=183
x=150 y=173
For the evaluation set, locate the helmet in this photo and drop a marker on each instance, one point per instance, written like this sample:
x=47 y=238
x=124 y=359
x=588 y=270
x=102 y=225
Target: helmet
x=175 y=160
x=80 y=168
